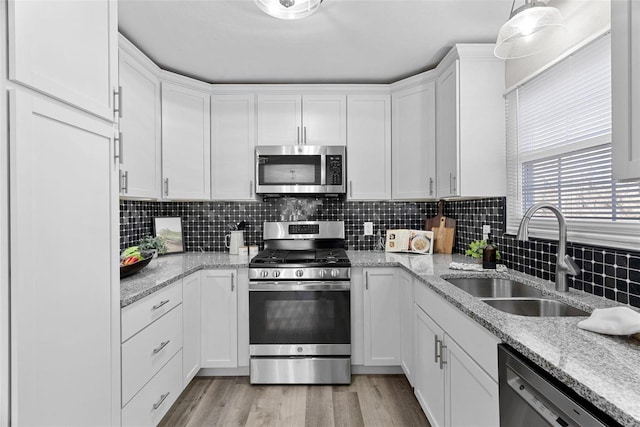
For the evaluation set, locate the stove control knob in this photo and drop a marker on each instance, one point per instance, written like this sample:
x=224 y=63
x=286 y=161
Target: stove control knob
x=276 y=273
x=334 y=273
x=264 y=273
x=299 y=273
x=322 y=273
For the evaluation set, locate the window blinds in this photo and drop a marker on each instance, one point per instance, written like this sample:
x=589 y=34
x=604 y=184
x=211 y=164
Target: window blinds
x=559 y=143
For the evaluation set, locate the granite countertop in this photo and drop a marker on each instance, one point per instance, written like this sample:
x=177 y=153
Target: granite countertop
x=603 y=369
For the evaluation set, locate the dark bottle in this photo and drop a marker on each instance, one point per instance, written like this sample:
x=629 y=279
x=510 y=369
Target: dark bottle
x=489 y=255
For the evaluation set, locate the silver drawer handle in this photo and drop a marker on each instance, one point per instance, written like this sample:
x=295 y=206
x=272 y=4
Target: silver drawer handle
x=162 y=345
x=157 y=306
x=159 y=402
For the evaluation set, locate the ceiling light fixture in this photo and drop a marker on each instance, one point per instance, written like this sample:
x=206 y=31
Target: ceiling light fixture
x=530 y=29
x=288 y=9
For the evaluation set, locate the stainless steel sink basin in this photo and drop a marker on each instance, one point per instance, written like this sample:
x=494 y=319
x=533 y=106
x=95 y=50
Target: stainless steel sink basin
x=484 y=287
x=538 y=307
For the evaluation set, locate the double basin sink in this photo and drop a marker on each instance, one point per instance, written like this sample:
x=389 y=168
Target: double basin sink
x=514 y=297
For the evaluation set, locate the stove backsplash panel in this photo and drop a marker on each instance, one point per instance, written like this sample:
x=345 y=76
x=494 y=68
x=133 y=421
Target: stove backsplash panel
x=609 y=272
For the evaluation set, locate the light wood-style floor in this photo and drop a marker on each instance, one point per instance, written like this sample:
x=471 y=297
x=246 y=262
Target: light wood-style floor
x=370 y=400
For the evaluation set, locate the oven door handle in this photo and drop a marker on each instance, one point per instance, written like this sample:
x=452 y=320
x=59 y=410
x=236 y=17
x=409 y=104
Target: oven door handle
x=299 y=286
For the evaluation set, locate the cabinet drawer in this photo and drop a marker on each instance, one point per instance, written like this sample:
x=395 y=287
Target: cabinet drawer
x=474 y=339
x=147 y=352
x=152 y=402
x=141 y=313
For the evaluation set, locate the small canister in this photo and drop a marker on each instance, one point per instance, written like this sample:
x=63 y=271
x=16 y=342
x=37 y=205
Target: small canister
x=253 y=251
x=243 y=253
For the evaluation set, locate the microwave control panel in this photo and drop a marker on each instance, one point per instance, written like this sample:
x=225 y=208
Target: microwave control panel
x=334 y=169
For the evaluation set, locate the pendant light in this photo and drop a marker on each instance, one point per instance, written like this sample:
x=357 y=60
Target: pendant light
x=531 y=28
x=288 y=9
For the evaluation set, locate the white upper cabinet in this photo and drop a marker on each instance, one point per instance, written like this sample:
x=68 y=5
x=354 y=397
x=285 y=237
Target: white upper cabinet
x=625 y=85
x=302 y=120
x=186 y=146
x=447 y=131
x=66 y=49
x=233 y=134
x=414 y=144
x=470 y=138
x=141 y=173
x=369 y=137
x=324 y=120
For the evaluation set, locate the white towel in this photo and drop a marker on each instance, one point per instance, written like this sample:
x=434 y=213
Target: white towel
x=501 y=268
x=612 y=321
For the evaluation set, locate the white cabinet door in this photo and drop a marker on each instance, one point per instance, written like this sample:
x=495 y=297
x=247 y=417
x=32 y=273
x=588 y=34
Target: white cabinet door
x=140 y=127
x=381 y=317
x=233 y=135
x=447 y=131
x=65 y=322
x=414 y=143
x=625 y=86
x=429 y=375
x=243 y=317
x=279 y=119
x=186 y=143
x=66 y=49
x=369 y=147
x=405 y=283
x=191 y=334
x=324 y=120
x=219 y=319
x=471 y=394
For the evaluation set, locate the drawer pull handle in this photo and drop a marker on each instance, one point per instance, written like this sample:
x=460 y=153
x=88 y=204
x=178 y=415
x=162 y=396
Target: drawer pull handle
x=162 y=345
x=157 y=306
x=159 y=402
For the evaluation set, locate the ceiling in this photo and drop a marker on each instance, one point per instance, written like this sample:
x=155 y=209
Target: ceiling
x=345 y=41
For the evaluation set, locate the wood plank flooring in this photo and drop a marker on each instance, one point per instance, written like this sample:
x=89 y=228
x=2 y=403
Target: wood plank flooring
x=370 y=400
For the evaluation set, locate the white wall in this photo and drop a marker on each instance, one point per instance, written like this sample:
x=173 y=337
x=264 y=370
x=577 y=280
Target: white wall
x=584 y=19
x=4 y=227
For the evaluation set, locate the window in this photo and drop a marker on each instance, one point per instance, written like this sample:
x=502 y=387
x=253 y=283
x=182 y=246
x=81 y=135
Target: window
x=559 y=151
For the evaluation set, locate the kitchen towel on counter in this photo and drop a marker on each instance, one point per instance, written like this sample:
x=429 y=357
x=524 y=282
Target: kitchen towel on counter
x=500 y=268
x=612 y=321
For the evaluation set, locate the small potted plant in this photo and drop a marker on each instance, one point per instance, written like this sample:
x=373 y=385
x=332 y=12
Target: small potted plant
x=476 y=247
x=153 y=244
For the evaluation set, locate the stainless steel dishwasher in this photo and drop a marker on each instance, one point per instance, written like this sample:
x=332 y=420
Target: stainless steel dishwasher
x=530 y=397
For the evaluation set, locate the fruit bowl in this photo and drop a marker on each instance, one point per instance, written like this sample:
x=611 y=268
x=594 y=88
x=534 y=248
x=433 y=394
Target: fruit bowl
x=128 y=270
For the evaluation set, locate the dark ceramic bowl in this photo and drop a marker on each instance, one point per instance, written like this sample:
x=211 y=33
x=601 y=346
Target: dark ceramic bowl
x=128 y=270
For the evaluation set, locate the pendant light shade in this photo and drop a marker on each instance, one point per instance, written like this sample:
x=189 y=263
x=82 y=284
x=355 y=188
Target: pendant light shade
x=530 y=29
x=288 y=9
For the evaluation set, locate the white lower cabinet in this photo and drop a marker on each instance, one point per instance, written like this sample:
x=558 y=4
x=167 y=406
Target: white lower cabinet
x=381 y=317
x=405 y=281
x=155 y=399
x=456 y=380
x=190 y=326
x=148 y=351
x=64 y=321
x=219 y=319
x=471 y=395
x=429 y=377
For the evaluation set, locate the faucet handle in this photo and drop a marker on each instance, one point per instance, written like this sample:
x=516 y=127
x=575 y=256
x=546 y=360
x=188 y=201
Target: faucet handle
x=571 y=266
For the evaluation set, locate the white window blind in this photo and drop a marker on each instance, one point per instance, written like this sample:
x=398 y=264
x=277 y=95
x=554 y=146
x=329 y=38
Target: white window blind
x=559 y=151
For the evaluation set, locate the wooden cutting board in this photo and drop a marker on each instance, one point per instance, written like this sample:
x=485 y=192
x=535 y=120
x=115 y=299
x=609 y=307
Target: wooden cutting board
x=443 y=237
x=435 y=221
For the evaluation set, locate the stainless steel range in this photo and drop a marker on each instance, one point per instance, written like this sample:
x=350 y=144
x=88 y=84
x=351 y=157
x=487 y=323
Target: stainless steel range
x=300 y=305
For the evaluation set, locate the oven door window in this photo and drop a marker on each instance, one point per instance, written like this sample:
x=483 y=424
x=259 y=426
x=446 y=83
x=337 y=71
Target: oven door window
x=300 y=317
x=288 y=170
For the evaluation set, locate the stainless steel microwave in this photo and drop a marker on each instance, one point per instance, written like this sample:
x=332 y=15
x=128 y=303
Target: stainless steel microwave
x=296 y=169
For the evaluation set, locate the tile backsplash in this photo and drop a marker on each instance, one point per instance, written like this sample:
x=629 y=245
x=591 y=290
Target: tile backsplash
x=608 y=272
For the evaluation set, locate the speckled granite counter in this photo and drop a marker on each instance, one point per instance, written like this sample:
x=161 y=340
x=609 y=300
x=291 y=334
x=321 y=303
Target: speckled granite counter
x=167 y=269
x=603 y=369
